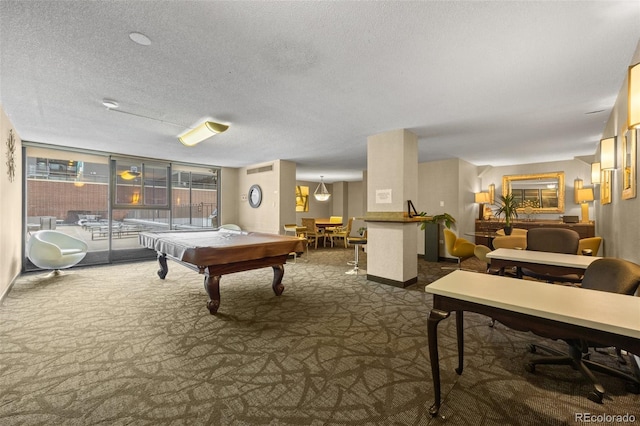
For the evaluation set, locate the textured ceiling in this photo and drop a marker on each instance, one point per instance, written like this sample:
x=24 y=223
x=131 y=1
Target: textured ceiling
x=493 y=83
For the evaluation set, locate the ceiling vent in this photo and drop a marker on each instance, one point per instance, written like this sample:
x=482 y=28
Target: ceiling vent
x=262 y=169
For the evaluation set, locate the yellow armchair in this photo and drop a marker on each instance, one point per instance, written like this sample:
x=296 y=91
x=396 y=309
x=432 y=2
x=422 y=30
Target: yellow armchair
x=458 y=247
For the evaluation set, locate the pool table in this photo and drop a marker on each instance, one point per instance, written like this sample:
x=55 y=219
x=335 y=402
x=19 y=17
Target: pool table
x=218 y=252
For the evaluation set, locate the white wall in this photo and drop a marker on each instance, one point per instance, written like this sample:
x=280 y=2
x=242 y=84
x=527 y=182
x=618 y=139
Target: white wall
x=10 y=209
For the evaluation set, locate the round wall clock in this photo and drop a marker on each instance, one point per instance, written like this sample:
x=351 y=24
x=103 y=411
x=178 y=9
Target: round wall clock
x=255 y=196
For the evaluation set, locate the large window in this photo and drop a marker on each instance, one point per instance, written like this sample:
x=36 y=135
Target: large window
x=194 y=197
x=108 y=202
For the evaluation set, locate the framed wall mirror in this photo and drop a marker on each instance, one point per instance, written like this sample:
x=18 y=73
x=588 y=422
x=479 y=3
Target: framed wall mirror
x=629 y=165
x=539 y=193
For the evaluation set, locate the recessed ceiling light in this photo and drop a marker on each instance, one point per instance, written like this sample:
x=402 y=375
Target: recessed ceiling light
x=110 y=103
x=140 y=38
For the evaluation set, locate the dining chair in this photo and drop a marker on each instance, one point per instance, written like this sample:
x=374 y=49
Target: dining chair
x=329 y=231
x=342 y=232
x=312 y=233
x=291 y=227
x=606 y=274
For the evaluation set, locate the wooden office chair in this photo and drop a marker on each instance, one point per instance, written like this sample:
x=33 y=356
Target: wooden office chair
x=342 y=232
x=607 y=274
x=330 y=231
x=312 y=233
x=458 y=247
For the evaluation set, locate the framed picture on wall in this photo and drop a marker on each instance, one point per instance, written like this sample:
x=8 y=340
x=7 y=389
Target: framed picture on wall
x=302 y=198
x=605 y=187
x=629 y=160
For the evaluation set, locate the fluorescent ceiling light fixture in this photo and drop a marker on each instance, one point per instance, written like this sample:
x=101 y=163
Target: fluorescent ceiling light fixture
x=321 y=193
x=202 y=132
x=110 y=103
x=140 y=39
x=608 y=153
x=633 y=96
x=595 y=173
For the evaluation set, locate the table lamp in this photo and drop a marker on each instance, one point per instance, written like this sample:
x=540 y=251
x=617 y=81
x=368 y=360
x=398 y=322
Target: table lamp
x=584 y=196
x=481 y=198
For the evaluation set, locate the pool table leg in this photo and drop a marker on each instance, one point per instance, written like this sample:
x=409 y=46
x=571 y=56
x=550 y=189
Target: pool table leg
x=278 y=273
x=164 y=269
x=212 y=286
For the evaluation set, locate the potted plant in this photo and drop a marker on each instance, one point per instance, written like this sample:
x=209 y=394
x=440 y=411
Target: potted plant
x=509 y=209
x=444 y=218
x=432 y=233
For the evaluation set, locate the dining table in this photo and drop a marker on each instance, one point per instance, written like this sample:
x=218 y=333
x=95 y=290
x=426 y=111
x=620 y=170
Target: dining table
x=324 y=225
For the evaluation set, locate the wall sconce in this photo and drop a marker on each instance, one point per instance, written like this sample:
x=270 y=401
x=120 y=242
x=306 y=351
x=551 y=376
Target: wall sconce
x=321 y=193
x=608 y=154
x=202 y=132
x=633 y=97
x=584 y=196
x=481 y=198
x=135 y=198
x=577 y=185
x=492 y=194
x=595 y=173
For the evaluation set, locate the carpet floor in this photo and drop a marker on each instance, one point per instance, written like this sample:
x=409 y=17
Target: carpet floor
x=115 y=345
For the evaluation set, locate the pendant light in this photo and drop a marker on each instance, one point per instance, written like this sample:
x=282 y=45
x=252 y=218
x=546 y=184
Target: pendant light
x=321 y=192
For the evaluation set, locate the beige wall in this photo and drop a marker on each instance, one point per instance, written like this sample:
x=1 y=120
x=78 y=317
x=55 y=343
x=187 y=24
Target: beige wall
x=316 y=208
x=447 y=186
x=10 y=209
x=572 y=169
x=618 y=222
x=278 y=197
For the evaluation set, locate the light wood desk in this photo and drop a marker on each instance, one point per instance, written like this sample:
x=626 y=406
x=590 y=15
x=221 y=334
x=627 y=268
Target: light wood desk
x=551 y=263
x=609 y=319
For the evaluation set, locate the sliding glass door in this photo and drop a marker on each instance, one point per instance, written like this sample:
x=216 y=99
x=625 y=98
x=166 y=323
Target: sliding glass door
x=107 y=201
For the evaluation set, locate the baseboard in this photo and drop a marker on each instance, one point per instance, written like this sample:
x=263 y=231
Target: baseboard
x=391 y=282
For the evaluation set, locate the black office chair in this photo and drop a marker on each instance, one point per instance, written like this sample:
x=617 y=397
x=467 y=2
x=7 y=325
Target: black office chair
x=607 y=274
x=553 y=240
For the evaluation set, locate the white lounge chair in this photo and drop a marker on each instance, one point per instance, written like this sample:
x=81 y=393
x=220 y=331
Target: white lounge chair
x=55 y=250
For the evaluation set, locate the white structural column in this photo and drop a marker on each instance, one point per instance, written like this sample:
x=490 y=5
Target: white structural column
x=392 y=169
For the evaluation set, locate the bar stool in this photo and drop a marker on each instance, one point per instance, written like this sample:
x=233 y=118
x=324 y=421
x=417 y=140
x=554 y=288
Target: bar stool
x=357 y=243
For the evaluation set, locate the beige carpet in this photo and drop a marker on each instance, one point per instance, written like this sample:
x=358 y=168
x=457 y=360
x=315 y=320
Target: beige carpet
x=115 y=345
